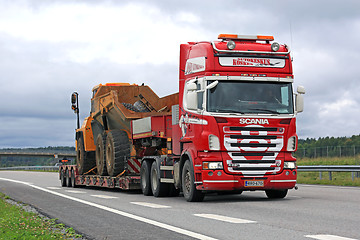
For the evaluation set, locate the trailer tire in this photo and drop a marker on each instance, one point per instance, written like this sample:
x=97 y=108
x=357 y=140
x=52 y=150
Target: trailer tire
x=73 y=180
x=84 y=160
x=62 y=178
x=141 y=107
x=158 y=188
x=276 y=194
x=191 y=194
x=117 y=151
x=100 y=154
x=68 y=178
x=145 y=178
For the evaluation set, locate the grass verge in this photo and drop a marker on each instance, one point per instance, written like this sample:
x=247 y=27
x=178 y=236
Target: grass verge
x=338 y=178
x=16 y=223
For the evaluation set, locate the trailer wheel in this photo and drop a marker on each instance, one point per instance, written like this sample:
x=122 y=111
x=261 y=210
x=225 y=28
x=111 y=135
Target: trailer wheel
x=191 y=194
x=141 y=107
x=85 y=160
x=68 y=178
x=73 y=180
x=62 y=178
x=117 y=151
x=158 y=188
x=100 y=155
x=273 y=194
x=145 y=178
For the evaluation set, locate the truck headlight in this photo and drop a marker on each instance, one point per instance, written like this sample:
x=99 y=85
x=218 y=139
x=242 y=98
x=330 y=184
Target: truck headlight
x=291 y=146
x=214 y=143
x=212 y=165
x=290 y=165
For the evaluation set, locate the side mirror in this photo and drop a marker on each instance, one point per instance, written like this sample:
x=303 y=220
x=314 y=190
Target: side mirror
x=299 y=103
x=299 y=100
x=301 y=90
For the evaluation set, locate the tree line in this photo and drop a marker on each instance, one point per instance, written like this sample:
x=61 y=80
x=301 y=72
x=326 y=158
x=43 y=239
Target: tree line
x=329 y=147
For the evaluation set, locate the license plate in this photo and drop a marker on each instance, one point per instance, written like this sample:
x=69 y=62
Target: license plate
x=254 y=183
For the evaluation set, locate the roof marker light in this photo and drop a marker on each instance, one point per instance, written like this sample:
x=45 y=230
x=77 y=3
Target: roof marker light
x=246 y=37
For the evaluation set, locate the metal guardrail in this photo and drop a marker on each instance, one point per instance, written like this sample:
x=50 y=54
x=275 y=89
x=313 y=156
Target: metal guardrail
x=41 y=168
x=354 y=169
x=37 y=154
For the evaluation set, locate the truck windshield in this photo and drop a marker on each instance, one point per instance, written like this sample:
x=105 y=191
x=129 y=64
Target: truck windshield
x=250 y=97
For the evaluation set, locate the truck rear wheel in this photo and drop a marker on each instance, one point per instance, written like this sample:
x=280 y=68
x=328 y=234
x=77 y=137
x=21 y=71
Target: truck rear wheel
x=117 y=151
x=191 y=194
x=276 y=193
x=145 y=178
x=100 y=155
x=158 y=188
x=84 y=160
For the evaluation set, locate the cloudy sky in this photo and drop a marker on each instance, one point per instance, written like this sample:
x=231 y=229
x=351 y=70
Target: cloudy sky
x=48 y=49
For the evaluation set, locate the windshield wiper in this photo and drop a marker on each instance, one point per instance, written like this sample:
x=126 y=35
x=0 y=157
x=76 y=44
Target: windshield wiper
x=265 y=110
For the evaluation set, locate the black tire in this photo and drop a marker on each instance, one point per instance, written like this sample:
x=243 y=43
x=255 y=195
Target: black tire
x=131 y=107
x=158 y=188
x=68 y=178
x=100 y=155
x=141 y=107
x=276 y=194
x=191 y=194
x=62 y=178
x=145 y=178
x=117 y=151
x=84 y=160
x=73 y=180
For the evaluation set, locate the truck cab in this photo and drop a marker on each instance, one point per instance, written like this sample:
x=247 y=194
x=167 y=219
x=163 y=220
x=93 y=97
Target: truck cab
x=237 y=113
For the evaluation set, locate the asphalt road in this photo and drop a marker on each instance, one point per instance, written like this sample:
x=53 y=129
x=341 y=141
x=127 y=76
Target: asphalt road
x=312 y=212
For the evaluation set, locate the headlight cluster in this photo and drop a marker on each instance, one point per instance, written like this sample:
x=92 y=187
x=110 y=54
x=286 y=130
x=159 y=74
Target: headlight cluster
x=290 y=165
x=212 y=165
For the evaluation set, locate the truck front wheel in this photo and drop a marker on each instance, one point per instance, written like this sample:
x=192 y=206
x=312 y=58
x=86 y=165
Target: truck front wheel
x=276 y=193
x=191 y=194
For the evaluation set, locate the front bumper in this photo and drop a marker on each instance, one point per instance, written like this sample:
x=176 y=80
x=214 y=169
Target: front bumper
x=218 y=180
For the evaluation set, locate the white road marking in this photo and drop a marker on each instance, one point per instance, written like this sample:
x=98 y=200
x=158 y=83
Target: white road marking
x=328 y=237
x=125 y=214
x=151 y=205
x=54 y=188
x=74 y=191
x=224 y=218
x=103 y=196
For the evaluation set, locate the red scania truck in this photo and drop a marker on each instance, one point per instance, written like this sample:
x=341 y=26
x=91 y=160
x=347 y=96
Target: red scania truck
x=231 y=126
